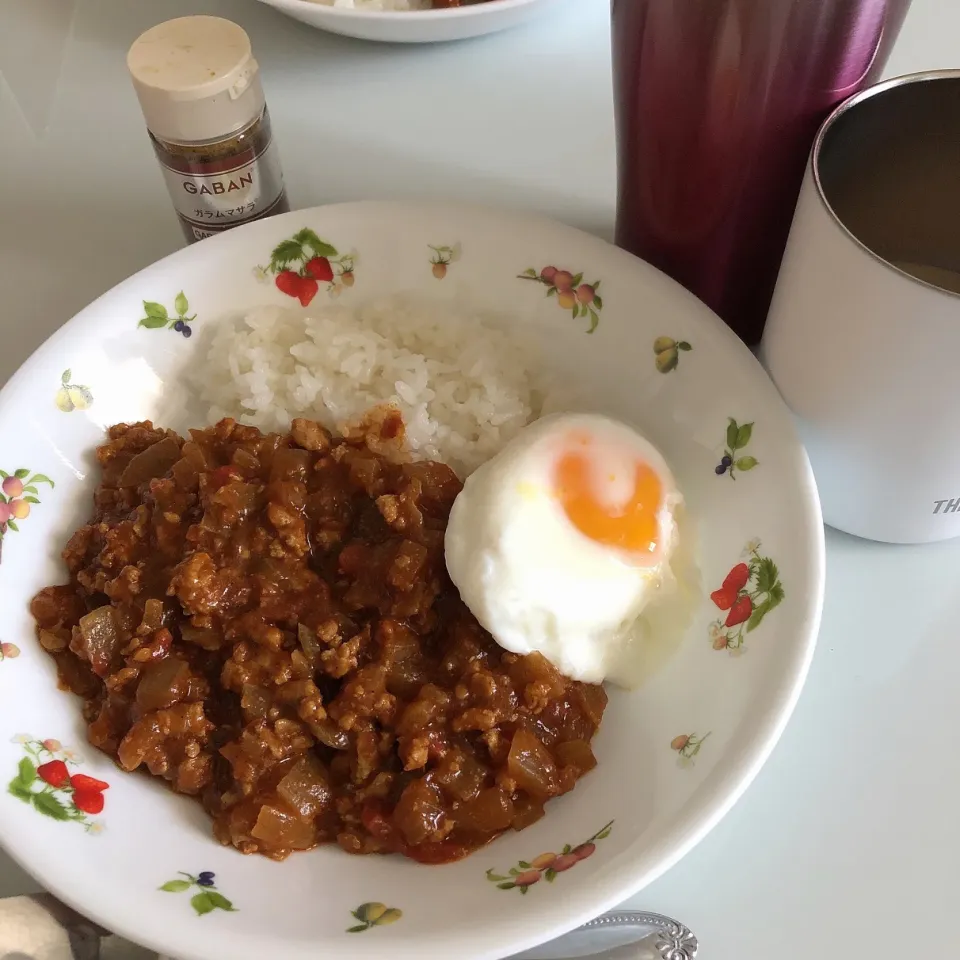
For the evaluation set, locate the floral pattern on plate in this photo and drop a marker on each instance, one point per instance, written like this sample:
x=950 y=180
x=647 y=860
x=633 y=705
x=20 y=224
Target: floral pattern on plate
x=547 y=866
x=442 y=257
x=687 y=746
x=667 y=353
x=72 y=396
x=18 y=492
x=373 y=915
x=45 y=781
x=581 y=299
x=207 y=898
x=157 y=317
x=738 y=436
x=748 y=593
x=302 y=262
x=9 y=651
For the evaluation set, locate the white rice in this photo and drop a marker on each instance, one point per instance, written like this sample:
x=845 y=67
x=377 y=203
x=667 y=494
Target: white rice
x=376 y=4
x=462 y=383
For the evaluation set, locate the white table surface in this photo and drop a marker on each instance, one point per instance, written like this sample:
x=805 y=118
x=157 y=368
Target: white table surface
x=848 y=839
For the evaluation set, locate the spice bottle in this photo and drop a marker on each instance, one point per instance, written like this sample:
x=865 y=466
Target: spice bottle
x=200 y=92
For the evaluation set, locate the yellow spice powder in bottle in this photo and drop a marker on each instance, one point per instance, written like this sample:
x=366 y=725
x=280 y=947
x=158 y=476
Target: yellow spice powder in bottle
x=199 y=88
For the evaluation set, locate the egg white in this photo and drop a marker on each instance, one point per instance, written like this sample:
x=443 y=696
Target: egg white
x=532 y=579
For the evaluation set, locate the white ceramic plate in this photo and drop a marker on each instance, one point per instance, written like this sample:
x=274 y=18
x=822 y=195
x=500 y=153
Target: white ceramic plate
x=414 y=26
x=673 y=756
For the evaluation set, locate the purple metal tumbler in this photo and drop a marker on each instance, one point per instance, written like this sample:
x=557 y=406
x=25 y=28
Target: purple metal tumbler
x=717 y=105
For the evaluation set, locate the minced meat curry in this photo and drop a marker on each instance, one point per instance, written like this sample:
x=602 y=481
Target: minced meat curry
x=266 y=622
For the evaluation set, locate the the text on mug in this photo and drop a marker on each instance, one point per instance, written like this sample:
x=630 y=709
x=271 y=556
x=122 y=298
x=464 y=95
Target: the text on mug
x=951 y=506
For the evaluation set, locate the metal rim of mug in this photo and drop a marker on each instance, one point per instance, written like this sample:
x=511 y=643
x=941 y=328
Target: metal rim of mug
x=850 y=103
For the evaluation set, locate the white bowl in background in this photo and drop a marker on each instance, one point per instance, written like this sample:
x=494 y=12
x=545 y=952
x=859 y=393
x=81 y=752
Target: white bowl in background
x=414 y=26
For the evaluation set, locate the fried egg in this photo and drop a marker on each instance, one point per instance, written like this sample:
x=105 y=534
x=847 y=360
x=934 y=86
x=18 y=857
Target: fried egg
x=561 y=542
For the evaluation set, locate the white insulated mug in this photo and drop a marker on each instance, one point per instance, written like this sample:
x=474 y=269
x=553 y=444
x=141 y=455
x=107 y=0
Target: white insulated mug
x=863 y=335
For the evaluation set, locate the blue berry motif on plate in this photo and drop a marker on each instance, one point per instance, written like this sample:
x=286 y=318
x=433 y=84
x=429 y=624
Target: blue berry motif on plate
x=207 y=899
x=156 y=316
x=738 y=436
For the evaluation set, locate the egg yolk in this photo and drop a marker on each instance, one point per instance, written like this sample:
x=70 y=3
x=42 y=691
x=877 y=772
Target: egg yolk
x=632 y=525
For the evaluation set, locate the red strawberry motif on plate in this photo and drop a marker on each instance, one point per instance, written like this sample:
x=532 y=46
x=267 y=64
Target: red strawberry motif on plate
x=749 y=592
x=80 y=781
x=54 y=772
x=739 y=612
x=319 y=268
x=727 y=596
x=88 y=793
x=737 y=578
x=301 y=263
x=724 y=598
x=88 y=801
x=288 y=282
x=44 y=781
x=308 y=290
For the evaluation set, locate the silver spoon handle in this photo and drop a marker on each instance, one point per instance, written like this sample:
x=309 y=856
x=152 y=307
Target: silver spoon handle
x=621 y=935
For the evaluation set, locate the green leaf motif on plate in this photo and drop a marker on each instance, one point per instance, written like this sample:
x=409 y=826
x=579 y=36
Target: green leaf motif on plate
x=308 y=238
x=50 y=806
x=18 y=790
x=733 y=431
x=202 y=903
x=220 y=902
x=176 y=886
x=767 y=575
x=285 y=253
x=27 y=771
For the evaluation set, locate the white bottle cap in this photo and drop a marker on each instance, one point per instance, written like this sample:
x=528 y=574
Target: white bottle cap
x=196 y=79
